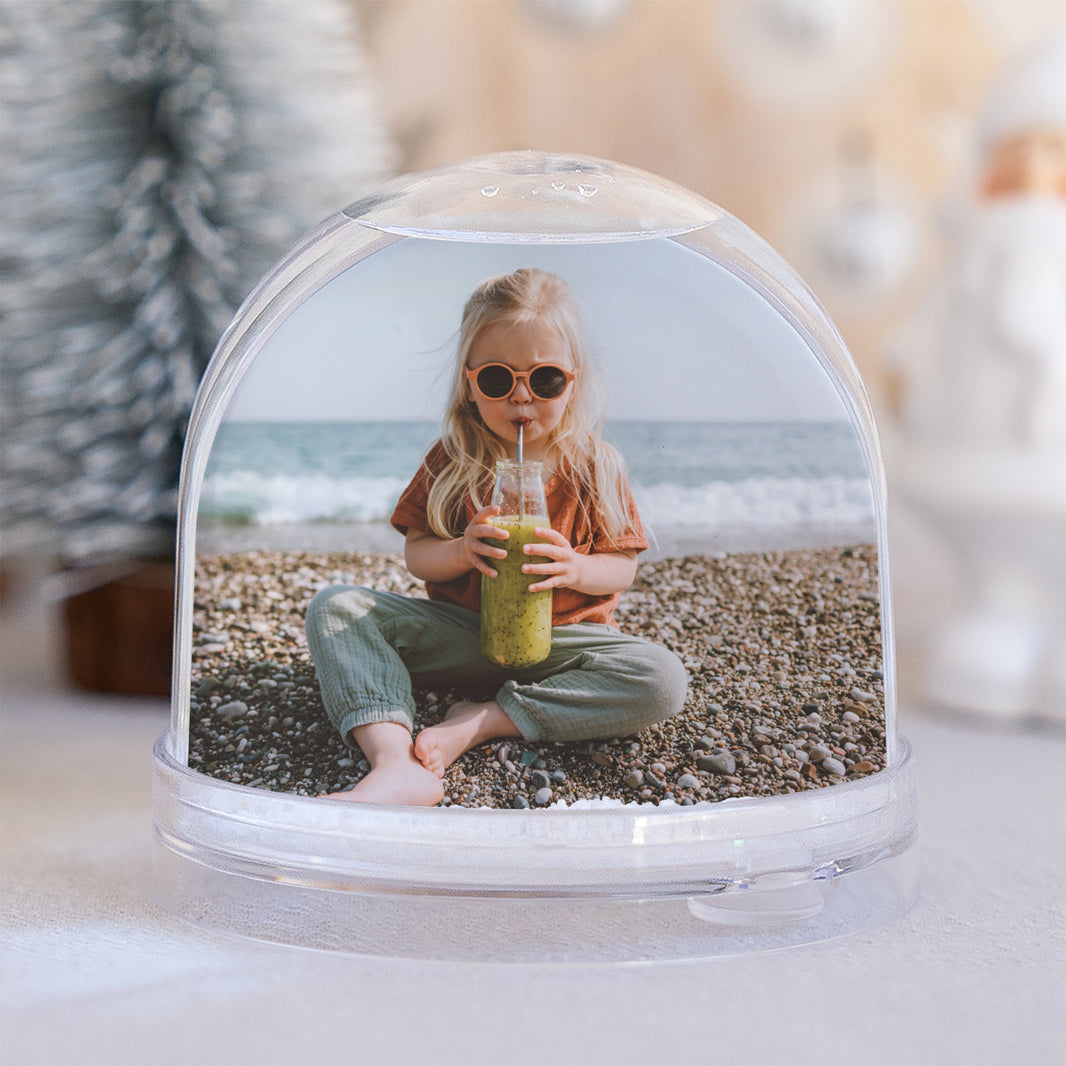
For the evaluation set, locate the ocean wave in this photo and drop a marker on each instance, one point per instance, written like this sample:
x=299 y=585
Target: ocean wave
x=759 y=502
x=244 y=497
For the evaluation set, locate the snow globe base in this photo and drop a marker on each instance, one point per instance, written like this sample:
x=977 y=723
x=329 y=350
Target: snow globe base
x=592 y=886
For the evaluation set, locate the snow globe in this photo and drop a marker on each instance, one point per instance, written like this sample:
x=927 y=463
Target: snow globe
x=777 y=807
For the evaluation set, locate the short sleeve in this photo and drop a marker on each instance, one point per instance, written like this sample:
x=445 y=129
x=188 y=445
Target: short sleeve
x=411 y=509
x=631 y=539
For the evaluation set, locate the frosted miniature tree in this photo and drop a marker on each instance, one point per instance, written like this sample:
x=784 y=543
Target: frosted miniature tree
x=158 y=157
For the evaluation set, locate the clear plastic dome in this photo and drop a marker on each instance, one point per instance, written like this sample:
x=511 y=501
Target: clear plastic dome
x=699 y=323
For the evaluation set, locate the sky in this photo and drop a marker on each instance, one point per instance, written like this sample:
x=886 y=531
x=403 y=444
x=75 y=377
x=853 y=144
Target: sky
x=677 y=336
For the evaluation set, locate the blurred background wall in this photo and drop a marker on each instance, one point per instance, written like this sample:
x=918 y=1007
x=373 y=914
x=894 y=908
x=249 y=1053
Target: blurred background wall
x=784 y=112
x=839 y=130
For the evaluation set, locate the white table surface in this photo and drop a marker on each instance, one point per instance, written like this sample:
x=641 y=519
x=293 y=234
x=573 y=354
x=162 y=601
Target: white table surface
x=93 y=972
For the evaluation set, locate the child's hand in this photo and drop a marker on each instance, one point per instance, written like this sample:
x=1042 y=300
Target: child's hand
x=472 y=543
x=565 y=566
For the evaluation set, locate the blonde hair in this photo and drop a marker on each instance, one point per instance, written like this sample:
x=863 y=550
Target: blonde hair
x=595 y=469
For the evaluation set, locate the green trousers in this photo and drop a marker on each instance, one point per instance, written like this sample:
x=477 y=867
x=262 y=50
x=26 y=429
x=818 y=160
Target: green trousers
x=597 y=683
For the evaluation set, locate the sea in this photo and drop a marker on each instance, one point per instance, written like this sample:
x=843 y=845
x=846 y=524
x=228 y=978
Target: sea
x=702 y=488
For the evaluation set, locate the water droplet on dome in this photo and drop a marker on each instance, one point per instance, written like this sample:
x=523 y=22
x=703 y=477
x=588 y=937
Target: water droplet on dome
x=489 y=190
x=587 y=190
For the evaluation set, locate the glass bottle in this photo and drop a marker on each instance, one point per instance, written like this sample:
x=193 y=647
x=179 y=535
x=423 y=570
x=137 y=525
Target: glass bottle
x=516 y=623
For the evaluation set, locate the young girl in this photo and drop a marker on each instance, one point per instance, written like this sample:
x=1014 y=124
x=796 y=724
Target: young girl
x=520 y=364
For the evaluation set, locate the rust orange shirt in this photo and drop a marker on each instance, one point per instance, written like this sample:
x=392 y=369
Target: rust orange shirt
x=582 y=529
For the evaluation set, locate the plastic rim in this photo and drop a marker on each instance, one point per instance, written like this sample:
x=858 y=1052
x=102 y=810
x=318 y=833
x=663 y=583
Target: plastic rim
x=638 y=850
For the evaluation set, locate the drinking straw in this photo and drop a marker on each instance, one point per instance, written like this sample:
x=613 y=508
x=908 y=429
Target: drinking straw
x=521 y=489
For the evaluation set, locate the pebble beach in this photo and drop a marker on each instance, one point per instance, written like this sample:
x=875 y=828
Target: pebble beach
x=783 y=652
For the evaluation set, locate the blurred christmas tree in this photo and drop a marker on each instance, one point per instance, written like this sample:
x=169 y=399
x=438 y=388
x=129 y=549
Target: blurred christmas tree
x=157 y=157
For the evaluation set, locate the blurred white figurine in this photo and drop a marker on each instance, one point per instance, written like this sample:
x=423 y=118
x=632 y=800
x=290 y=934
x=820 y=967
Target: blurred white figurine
x=979 y=455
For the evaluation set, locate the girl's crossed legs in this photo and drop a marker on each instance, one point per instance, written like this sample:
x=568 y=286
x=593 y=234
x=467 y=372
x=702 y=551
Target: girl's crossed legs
x=367 y=646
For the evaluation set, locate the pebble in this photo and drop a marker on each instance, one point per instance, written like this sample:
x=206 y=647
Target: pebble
x=718 y=763
x=543 y=797
x=784 y=615
x=539 y=779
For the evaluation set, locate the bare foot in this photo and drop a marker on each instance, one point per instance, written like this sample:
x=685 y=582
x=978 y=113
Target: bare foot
x=407 y=783
x=464 y=727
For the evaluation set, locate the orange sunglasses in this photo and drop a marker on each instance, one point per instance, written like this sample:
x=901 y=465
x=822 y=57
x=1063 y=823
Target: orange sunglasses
x=496 y=381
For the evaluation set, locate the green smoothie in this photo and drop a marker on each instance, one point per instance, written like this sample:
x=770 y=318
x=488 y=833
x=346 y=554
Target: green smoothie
x=515 y=623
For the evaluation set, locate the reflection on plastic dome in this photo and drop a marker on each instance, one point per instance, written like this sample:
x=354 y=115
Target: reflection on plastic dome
x=716 y=621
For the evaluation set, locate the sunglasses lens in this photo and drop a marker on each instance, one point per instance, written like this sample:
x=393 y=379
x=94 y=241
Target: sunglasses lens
x=547 y=382
x=495 y=381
